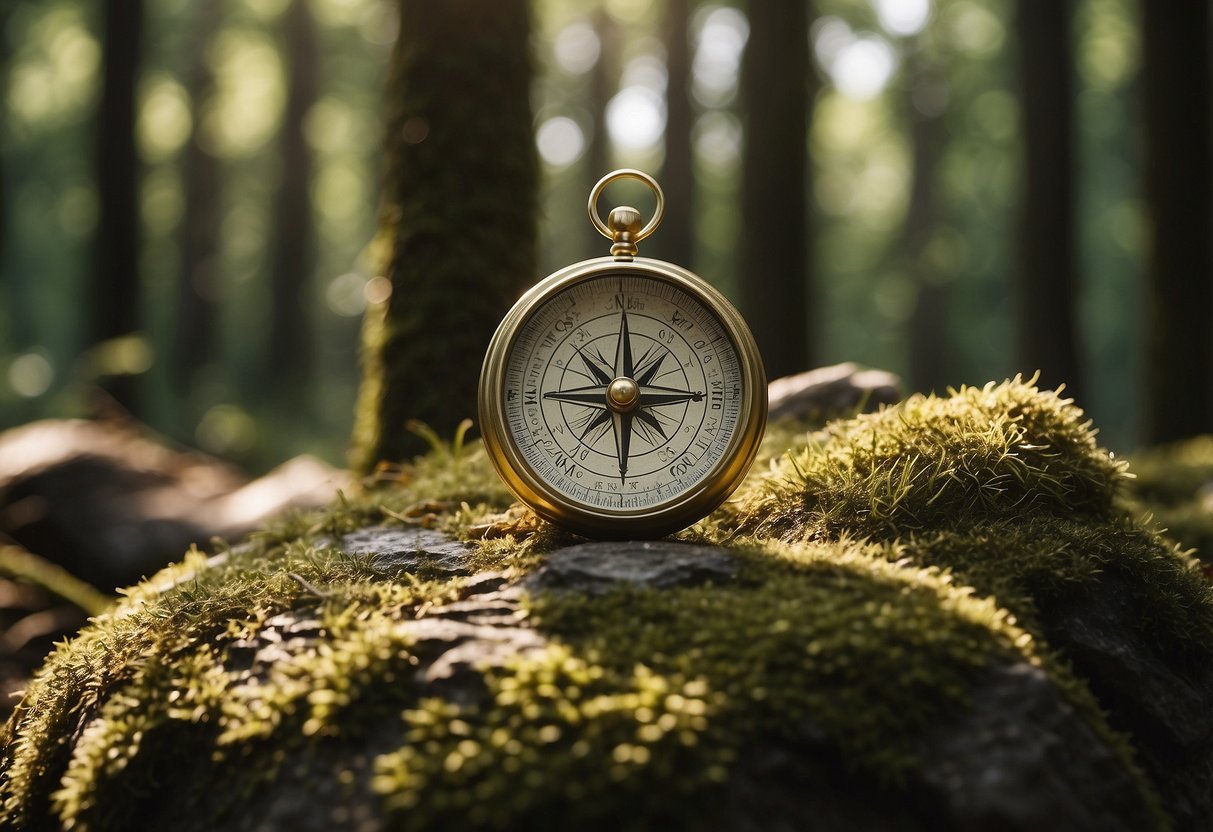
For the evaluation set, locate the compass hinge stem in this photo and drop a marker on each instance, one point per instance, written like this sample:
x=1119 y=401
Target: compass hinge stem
x=623 y=250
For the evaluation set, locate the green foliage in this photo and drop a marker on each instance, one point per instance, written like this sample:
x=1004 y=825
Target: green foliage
x=987 y=512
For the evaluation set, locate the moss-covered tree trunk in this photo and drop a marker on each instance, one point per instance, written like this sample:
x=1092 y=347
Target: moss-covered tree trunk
x=1179 y=197
x=458 y=220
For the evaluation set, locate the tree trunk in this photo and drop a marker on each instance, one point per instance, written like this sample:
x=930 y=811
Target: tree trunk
x=930 y=350
x=776 y=92
x=115 y=293
x=1178 y=183
x=198 y=292
x=1047 y=269
x=676 y=241
x=290 y=350
x=459 y=216
x=604 y=83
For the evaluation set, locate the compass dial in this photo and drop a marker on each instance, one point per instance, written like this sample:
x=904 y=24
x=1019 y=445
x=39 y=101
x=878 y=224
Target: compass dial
x=623 y=395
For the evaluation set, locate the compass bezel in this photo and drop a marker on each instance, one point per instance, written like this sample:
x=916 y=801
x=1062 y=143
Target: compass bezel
x=689 y=506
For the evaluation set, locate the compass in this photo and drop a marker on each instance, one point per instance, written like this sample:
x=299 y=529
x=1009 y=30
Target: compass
x=623 y=396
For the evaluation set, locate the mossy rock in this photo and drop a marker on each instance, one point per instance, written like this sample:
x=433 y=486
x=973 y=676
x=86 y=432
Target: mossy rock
x=935 y=616
x=1173 y=491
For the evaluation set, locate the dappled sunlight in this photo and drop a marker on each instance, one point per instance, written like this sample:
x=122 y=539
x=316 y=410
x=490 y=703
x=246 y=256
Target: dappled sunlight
x=56 y=70
x=560 y=141
x=31 y=374
x=719 y=41
x=860 y=64
x=165 y=123
x=577 y=47
x=904 y=18
x=877 y=65
x=248 y=100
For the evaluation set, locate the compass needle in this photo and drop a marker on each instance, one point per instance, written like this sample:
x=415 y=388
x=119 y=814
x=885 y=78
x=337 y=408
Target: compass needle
x=623 y=441
x=651 y=396
x=588 y=396
x=623 y=349
x=622 y=397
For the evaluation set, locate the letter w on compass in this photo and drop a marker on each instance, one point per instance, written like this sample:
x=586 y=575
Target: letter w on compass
x=623 y=395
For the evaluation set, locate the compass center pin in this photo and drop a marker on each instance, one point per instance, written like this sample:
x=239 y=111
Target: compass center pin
x=623 y=394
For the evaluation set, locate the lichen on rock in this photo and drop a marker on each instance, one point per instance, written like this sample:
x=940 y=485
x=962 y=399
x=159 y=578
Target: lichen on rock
x=935 y=616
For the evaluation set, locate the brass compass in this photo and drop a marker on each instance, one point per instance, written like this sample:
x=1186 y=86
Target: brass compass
x=623 y=396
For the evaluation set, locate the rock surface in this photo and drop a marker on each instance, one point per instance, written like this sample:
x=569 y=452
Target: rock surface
x=597 y=568
x=1023 y=659
x=395 y=550
x=829 y=392
x=111 y=505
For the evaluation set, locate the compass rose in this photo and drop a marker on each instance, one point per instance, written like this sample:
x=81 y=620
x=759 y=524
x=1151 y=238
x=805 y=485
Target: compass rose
x=623 y=394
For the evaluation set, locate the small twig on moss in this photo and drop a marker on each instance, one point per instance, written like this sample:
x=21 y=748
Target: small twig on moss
x=303 y=582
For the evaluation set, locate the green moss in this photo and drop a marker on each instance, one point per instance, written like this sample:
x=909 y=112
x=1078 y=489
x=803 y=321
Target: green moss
x=984 y=514
x=1002 y=451
x=650 y=696
x=1173 y=490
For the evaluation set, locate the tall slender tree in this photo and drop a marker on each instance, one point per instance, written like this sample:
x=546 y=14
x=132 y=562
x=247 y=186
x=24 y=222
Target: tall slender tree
x=194 y=338
x=1047 y=274
x=114 y=291
x=676 y=240
x=776 y=87
x=290 y=336
x=1179 y=197
x=929 y=345
x=458 y=218
x=604 y=83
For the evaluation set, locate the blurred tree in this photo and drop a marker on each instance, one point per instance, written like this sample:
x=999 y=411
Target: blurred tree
x=929 y=342
x=1047 y=274
x=290 y=351
x=114 y=291
x=777 y=86
x=604 y=83
x=458 y=220
x=196 y=333
x=5 y=59
x=676 y=240
x=1179 y=194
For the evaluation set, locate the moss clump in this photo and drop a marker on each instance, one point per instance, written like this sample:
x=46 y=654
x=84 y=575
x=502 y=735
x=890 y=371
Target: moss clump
x=1173 y=486
x=984 y=515
x=986 y=453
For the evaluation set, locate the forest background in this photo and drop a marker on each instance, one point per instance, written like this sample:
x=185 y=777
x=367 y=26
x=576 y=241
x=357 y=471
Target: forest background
x=984 y=187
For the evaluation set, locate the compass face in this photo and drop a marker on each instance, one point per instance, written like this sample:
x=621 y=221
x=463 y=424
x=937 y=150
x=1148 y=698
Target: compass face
x=622 y=393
